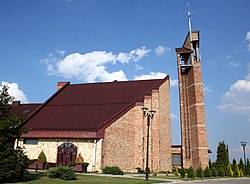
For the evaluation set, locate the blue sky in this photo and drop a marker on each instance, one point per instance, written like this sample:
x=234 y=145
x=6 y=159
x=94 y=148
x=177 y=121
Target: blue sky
x=43 y=42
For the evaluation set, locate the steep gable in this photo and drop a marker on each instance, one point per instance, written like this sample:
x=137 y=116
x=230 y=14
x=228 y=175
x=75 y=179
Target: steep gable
x=88 y=107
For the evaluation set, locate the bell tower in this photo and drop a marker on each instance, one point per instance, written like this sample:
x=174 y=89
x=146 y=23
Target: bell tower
x=191 y=97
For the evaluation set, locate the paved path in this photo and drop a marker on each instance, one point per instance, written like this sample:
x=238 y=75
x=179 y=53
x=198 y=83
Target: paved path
x=220 y=181
x=207 y=181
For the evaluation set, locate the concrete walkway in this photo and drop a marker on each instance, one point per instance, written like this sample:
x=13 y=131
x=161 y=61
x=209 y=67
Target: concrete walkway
x=169 y=181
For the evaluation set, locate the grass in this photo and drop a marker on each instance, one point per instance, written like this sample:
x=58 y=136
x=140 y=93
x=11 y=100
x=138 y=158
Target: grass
x=42 y=178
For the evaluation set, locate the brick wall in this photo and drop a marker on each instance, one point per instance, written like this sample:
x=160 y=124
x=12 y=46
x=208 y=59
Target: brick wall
x=124 y=143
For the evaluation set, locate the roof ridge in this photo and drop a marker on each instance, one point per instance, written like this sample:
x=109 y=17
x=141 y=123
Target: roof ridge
x=115 y=81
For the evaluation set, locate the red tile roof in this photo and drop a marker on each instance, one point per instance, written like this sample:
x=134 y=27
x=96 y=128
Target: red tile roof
x=25 y=109
x=88 y=107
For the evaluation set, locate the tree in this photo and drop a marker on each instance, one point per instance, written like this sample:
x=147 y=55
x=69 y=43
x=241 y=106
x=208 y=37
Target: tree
x=222 y=159
x=210 y=164
x=242 y=166
x=237 y=171
x=13 y=162
x=183 y=172
x=248 y=167
x=229 y=171
x=207 y=172
x=214 y=172
x=190 y=172
x=234 y=165
x=200 y=172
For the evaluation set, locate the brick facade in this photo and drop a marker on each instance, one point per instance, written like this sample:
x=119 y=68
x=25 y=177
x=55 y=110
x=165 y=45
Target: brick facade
x=124 y=143
x=192 y=111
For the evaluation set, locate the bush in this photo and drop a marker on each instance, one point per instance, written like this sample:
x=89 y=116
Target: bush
x=140 y=171
x=79 y=159
x=62 y=172
x=42 y=157
x=154 y=174
x=190 y=172
x=199 y=172
x=221 y=172
x=13 y=166
x=207 y=172
x=214 y=172
x=183 y=172
x=112 y=170
x=176 y=172
x=237 y=171
x=229 y=171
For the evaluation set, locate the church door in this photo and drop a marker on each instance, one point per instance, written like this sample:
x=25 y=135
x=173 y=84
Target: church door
x=66 y=154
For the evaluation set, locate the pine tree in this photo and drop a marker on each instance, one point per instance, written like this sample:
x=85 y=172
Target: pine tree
x=241 y=166
x=210 y=164
x=200 y=172
x=234 y=165
x=248 y=167
x=207 y=172
x=183 y=172
x=237 y=171
x=190 y=172
x=13 y=162
x=222 y=159
x=42 y=157
x=221 y=172
x=229 y=171
x=214 y=172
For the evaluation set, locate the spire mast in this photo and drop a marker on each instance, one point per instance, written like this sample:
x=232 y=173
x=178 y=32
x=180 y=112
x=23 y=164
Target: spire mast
x=189 y=24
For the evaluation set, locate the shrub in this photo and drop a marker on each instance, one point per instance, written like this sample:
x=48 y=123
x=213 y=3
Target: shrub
x=199 y=172
x=42 y=157
x=112 y=170
x=183 y=172
x=190 y=172
x=154 y=174
x=207 y=172
x=13 y=166
x=62 y=172
x=229 y=171
x=237 y=171
x=79 y=159
x=214 y=172
x=176 y=172
x=221 y=172
x=140 y=171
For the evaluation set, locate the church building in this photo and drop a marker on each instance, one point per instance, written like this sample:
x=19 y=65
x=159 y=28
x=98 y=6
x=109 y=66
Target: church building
x=106 y=124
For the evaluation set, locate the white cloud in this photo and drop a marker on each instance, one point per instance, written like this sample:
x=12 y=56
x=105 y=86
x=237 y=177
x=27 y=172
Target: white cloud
x=91 y=67
x=160 y=50
x=174 y=82
x=237 y=99
x=15 y=92
x=151 y=75
x=233 y=64
x=174 y=118
x=207 y=89
x=248 y=39
x=138 y=67
x=134 y=55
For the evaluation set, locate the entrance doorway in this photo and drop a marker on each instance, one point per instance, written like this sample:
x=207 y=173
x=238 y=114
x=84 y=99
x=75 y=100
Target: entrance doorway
x=66 y=154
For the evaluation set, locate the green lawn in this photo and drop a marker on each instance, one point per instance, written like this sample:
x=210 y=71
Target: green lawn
x=41 y=178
